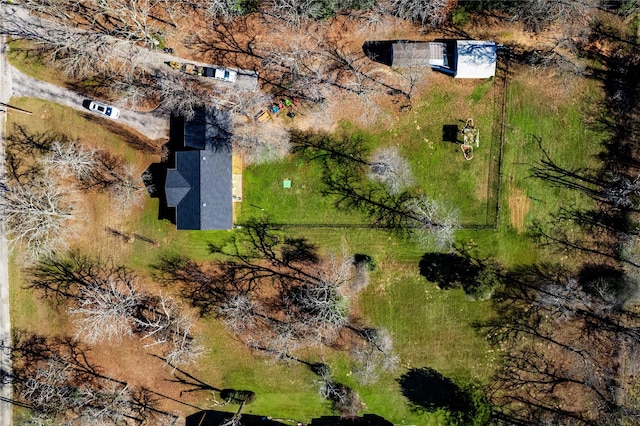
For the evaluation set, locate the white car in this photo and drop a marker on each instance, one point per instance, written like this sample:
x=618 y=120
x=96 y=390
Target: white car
x=227 y=75
x=104 y=109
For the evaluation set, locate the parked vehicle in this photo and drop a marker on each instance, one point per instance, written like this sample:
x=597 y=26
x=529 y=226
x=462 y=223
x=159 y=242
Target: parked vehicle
x=227 y=75
x=217 y=73
x=104 y=109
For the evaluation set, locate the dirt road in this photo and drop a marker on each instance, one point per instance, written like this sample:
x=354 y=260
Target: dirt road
x=6 y=389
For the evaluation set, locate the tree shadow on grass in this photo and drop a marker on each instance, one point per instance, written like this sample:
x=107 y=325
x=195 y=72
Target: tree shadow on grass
x=428 y=390
x=448 y=270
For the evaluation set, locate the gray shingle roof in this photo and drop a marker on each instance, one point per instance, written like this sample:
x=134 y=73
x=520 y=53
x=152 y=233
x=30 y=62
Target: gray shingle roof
x=195 y=130
x=406 y=54
x=176 y=187
x=200 y=185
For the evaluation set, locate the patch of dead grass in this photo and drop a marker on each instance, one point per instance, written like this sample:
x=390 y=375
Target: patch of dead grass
x=519 y=205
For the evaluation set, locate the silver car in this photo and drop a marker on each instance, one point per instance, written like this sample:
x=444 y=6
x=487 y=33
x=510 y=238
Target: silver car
x=104 y=109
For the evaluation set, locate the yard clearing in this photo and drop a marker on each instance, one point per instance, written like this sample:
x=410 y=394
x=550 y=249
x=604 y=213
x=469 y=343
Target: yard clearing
x=228 y=364
x=430 y=327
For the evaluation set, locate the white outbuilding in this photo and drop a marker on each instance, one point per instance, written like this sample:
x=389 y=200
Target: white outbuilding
x=459 y=58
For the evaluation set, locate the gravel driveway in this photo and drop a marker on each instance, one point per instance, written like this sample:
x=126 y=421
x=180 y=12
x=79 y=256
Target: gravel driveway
x=153 y=125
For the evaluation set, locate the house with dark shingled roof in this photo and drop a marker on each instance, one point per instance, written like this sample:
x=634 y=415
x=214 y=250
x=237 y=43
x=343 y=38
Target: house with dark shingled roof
x=199 y=187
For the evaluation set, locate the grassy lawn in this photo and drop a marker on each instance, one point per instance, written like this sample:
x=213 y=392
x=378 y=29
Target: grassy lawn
x=21 y=55
x=55 y=118
x=301 y=204
x=439 y=168
x=556 y=119
x=27 y=311
x=431 y=328
x=421 y=320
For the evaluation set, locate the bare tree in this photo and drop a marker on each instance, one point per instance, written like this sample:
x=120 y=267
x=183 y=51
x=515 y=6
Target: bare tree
x=105 y=299
x=79 y=54
x=320 y=304
x=389 y=168
x=149 y=182
x=181 y=94
x=164 y=323
x=302 y=70
x=307 y=305
x=235 y=420
x=374 y=19
x=291 y=12
x=539 y=14
x=344 y=399
x=112 y=175
x=374 y=355
x=429 y=223
x=35 y=418
x=630 y=253
x=38 y=216
x=346 y=163
x=324 y=310
x=411 y=76
x=54 y=8
x=70 y=158
x=106 y=308
x=238 y=312
x=126 y=189
x=360 y=278
x=260 y=142
x=280 y=339
x=130 y=20
x=61 y=392
x=110 y=403
x=136 y=20
x=52 y=388
x=76 y=52
x=242 y=101
x=354 y=75
x=621 y=191
x=433 y=13
x=132 y=87
x=222 y=9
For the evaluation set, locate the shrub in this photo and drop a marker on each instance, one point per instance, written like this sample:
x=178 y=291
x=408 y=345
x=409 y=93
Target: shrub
x=460 y=17
x=365 y=259
x=482 y=287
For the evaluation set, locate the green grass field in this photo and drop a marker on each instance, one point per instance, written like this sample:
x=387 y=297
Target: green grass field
x=557 y=122
x=431 y=327
x=439 y=168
